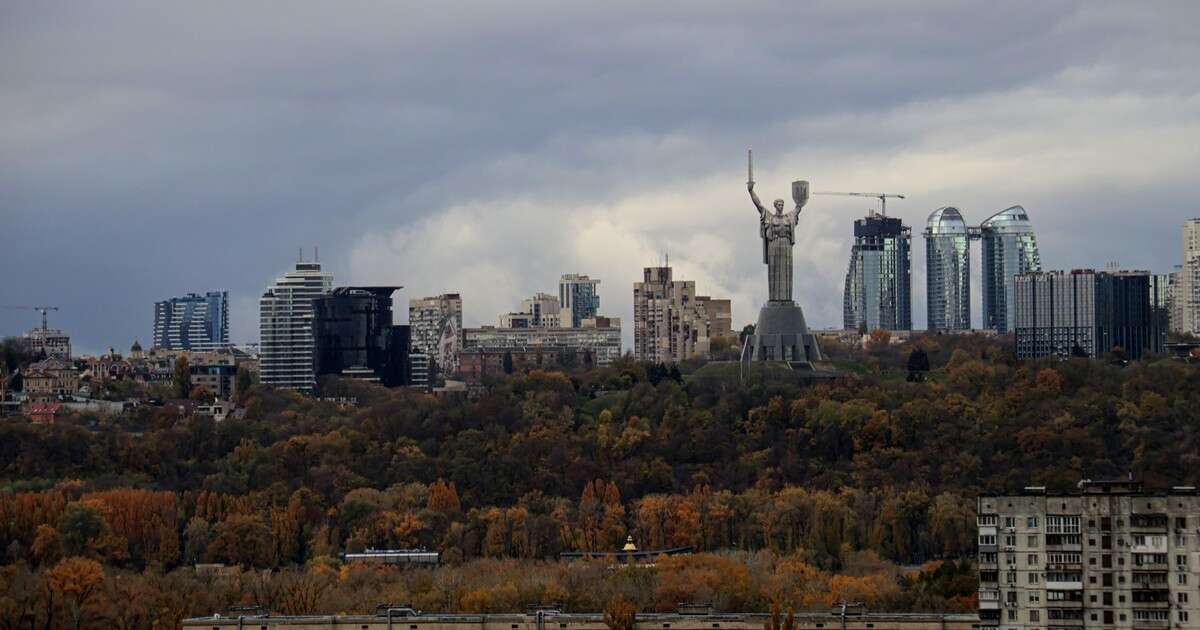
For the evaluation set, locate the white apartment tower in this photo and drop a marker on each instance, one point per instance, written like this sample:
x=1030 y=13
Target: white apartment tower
x=1185 y=290
x=285 y=326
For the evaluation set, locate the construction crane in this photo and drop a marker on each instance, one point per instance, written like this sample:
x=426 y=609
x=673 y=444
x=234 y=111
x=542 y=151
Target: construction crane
x=42 y=309
x=882 y=197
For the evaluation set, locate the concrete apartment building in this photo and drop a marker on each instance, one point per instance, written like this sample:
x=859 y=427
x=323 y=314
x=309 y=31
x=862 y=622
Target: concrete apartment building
x=435 y=328
x=670 y=322
x=1109 y=555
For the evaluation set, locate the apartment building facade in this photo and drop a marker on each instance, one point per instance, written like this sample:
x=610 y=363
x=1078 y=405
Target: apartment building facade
x=1109 y=555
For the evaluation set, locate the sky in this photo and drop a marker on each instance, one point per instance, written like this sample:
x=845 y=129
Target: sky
x=152 y=149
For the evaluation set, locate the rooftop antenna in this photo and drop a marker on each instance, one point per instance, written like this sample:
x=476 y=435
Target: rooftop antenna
x=316 y=253
x=301 y=254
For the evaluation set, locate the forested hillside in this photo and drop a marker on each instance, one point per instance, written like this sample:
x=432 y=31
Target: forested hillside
x=872 y=463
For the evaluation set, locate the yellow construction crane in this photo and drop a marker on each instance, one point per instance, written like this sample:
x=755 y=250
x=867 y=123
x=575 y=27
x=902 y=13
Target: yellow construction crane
x=42 y=309
x=882 y=197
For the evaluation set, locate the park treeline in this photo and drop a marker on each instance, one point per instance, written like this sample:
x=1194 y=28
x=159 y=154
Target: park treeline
x=884 y=461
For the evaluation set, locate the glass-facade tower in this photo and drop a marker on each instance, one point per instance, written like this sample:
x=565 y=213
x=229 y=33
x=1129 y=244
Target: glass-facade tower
x=1009 y=249
x=878 y=289
x=192 y=322
x=947 y=270
x=578 y=298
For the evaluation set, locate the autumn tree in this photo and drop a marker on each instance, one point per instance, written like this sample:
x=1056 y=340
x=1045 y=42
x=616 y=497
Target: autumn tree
x=76 y=581
x=80 y=526
x=443 y=498
x=619 y=614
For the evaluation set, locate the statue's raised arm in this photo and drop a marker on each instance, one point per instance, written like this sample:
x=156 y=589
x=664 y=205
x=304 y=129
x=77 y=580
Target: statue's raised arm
x=750 y=182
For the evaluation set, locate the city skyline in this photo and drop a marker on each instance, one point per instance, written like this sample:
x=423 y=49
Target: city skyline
x=112 y=153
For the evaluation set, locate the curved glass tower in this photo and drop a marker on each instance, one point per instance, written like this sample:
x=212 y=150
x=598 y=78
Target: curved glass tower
x=1009 y=249
x=947 y=270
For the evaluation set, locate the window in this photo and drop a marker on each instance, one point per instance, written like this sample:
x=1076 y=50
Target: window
x=1032 y=560
x=1010 y=521
x=1033 y=577
x=1181 y=579
x=1107 y=597
x=1035 y=616
x=1062 y=524
x=987 y=539
x=1183 y=615
x=1031 y=522
x=1106 y=522
x=1010 y=540
x=1032 y=540
x=1181 y=561
x=1182 y=598
x=1180 y=540
x=1106 y=579
x=1035 y=597
x=1011 y=577
x=1012 y=614
x=1011 y=597
x=1010 y=559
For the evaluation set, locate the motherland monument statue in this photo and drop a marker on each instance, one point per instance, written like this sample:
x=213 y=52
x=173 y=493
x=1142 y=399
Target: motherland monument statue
x=781 y=333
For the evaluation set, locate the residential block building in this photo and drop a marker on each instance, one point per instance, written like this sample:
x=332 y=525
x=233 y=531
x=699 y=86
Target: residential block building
x=1086 y=312
x=598 y=338
x=1108 y=555
x=1186 y=288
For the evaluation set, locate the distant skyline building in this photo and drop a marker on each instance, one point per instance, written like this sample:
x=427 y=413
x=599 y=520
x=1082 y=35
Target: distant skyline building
x=286 y=326
x=670 y=322
x=1009 y=249
x=435 y=328
x=578 y=299
x=1186 y=289
x=540 y=311
x=1085 y=311
x=355 y=338
x=947 y=270
x=878 y=288
x=192 y=322
x=598 y=338
x=55 y=343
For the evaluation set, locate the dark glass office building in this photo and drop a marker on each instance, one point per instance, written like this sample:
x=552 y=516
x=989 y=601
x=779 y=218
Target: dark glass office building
x=878 y=289
x=355 y=338
x=1085 y=311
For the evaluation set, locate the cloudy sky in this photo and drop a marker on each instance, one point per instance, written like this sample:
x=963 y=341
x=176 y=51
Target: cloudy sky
x=152 y=149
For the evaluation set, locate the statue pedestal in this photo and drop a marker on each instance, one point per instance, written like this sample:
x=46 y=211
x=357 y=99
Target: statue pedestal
x=782 y=335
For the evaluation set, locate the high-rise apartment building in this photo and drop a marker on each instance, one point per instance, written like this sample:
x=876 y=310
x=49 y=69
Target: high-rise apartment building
x=670 y=322
x=878 y=288
x=540 y=311
x=1009 y=249
x=286 y=326
x=948 y=270
x=1186 y=289
x=578 y=298
x=192 y=322
x=1085 y=312
x=435 y=325
x=1109 y=555
x=355 y=337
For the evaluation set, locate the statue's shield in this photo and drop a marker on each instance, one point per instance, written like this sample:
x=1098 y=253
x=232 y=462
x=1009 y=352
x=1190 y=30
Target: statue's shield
x=800 y=192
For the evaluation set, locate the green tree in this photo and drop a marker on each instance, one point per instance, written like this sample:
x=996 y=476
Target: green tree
x=182 y=380
x=508 y=362
x=80 y=526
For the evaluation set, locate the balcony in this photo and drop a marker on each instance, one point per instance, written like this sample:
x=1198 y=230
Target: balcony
x=1065 y=586
x=1151 y=624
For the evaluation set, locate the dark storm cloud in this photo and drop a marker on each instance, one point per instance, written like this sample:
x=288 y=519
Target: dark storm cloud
x=148 y=149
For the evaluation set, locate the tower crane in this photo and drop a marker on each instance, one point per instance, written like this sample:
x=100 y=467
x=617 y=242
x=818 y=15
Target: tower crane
x=42 y=309
x=882 y=197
